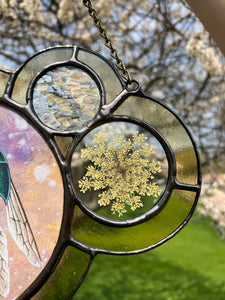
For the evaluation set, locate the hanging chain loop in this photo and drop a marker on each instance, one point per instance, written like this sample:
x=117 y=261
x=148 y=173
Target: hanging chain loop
x=108 y=43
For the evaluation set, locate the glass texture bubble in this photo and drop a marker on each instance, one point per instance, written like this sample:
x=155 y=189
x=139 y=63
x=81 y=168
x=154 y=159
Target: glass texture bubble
x=66 y=98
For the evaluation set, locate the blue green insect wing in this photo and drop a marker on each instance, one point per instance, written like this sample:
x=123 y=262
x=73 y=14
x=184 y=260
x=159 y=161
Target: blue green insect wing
x=5 y=178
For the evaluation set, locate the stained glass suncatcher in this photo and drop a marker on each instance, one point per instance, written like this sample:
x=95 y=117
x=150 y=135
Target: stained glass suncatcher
x=96 y=166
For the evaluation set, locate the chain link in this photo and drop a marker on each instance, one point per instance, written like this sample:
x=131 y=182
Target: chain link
x=108 y=43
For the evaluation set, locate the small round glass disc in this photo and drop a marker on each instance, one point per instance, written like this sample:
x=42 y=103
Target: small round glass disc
x=66 y=98
x=119 y=170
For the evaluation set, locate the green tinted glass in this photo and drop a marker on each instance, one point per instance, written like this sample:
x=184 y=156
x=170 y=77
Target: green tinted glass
x=138 y=237
x=66 y=276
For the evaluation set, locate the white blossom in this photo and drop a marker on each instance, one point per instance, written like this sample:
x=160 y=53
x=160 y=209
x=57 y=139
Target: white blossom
x=212 y=200
x=65 y=12
x=198 y=48
x=34 y=10
x=7 y=8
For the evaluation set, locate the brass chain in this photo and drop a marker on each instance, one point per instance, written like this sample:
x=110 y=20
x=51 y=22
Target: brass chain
x=108 y=43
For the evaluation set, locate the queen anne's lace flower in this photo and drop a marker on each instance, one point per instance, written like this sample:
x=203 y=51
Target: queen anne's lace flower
x=121 y=169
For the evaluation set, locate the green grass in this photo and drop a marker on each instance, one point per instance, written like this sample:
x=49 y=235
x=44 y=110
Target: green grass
x=190 y=266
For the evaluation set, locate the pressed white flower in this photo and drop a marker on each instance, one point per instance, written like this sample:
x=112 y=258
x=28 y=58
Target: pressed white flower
x=121 y=170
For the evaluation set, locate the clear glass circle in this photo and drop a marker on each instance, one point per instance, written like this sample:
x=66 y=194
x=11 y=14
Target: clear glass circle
x=119 y=170
x=66 y=98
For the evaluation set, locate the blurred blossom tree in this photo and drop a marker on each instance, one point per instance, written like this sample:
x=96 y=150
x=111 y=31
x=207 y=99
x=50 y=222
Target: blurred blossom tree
x=163 y=45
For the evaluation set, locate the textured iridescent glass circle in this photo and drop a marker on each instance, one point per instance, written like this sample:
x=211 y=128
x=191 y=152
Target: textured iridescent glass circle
x=66 y=98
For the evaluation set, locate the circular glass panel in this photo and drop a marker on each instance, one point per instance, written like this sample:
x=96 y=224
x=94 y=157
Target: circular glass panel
x=119 y=170
x=66 y=98
x=31 y=204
